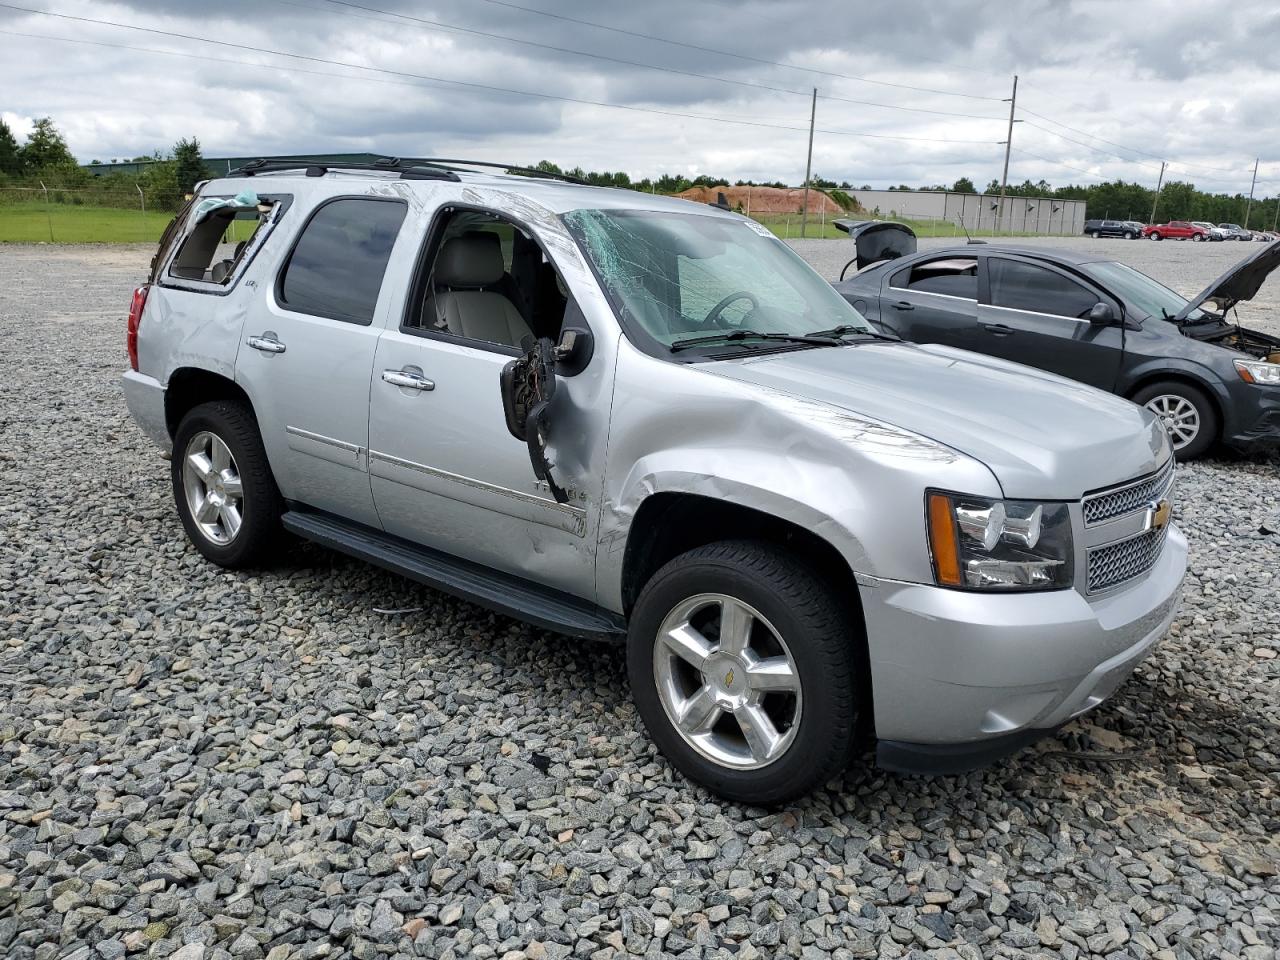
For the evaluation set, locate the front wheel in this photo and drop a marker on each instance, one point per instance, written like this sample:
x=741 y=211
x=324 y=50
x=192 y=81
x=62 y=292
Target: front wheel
x=222 y=485
x=743 y=668
x=1130 y=235
x=1155 y=235
x=1187 y=413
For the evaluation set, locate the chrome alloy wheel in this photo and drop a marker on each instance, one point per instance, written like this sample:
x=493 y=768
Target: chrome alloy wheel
x=1179 y=415
x=727 y=681
x=211 y=482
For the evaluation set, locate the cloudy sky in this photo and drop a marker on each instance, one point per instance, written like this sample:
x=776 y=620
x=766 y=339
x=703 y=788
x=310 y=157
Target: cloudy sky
x=909 y=91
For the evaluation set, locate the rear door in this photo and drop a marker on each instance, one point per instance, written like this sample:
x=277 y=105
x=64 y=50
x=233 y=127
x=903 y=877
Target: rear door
x=1038 y=314
x=934 y=300
x=308 y=351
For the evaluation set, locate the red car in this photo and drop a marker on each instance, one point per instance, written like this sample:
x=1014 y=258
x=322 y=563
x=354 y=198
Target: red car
x=1175 y=230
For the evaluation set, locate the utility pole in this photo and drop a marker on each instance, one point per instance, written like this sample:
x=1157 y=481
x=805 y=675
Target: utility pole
x=1249 y=206
x=1156 y=198
x=808 y=163
x=1008 y=145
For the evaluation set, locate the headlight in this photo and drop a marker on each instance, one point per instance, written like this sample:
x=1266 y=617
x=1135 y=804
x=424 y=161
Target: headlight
x=1258 y=371
x=983 y=544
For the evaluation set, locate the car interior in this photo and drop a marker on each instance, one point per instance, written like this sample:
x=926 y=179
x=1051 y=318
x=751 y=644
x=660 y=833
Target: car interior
x=488 y=280
x=216 y=245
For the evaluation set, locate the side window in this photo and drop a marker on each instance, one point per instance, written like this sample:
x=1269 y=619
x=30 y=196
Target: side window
x=1024 y=286
x=485 y=279
x=953 y=276
x=220 y=245
x=336 y=267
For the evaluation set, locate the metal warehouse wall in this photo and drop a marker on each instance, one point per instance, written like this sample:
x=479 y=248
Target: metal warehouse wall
x=977 y=212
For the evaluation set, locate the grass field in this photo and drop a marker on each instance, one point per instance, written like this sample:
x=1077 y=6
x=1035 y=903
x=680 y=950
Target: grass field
x=33 y=223
x=787 y=226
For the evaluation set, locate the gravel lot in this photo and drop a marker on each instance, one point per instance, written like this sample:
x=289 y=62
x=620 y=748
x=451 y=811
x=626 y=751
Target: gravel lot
x=204 y=764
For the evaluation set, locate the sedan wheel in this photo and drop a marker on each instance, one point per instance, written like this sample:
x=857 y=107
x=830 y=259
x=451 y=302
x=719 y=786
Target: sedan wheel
x=1155 y=236
x=1198 y=237
x=727 y=681
x=211 y=482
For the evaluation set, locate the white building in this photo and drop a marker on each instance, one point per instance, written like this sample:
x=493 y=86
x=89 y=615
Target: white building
x=977 y=212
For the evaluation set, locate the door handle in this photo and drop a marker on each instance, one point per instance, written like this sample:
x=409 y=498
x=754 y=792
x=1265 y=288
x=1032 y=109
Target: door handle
x=903 y=305
x=407 y=379
x=999 y=329
x=267 y=343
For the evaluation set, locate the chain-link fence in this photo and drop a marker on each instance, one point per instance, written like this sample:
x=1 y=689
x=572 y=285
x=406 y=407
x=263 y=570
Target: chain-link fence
x=40 y=212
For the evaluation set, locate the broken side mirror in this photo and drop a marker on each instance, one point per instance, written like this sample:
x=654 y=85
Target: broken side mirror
x=528 y=386
x=1102 y=314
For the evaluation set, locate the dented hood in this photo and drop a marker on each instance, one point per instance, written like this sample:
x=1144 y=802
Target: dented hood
x=1240 y=283
x=1042 y=436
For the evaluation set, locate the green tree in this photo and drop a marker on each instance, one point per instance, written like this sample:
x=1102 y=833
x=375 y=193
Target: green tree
x=45 y=147
x=190 y=164
x=964 y=185
x=10 y=154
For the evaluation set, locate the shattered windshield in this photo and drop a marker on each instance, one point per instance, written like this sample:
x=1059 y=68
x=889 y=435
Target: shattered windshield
x=1152 y=298
x=684 y=276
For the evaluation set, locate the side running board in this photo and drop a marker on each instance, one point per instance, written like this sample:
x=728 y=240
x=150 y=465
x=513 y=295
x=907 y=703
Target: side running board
x=501 y=592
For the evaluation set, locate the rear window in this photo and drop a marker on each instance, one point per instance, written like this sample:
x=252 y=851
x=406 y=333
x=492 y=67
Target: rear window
x=218 y=247
x=953 y=276
x=336 y=267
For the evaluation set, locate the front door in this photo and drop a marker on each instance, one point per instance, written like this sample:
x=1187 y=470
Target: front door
x=309 y=350
x=932 y=301
x=445 y=471
x=1036 y=314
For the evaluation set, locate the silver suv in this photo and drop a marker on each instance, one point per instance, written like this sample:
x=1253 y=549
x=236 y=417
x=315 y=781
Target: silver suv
x=620 y=416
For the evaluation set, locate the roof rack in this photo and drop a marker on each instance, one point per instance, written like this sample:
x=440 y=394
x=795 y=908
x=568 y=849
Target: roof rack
x=512 y=167
x=408 y=169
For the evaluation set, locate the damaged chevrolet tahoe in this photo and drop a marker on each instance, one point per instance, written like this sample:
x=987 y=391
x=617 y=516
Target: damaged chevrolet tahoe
x=621 y=416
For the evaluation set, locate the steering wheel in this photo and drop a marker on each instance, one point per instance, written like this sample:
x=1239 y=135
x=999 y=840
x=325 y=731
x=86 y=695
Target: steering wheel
x=718 y=309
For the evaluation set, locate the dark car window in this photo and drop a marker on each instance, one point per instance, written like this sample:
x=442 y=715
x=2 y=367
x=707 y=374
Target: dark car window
x=953 y=276
x=336 y=267
x=1025 y=286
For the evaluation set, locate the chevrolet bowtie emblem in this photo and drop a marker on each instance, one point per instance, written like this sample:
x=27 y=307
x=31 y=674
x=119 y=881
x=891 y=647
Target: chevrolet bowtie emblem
x=1161 y=510
x=728 y=679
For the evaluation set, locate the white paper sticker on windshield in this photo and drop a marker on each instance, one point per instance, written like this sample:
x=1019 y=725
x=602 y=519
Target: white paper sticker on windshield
x=759 y=228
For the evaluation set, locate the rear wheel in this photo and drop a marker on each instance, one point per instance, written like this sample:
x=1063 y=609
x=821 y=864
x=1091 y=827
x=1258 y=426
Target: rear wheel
x=1187 y=413
x=1198 y=237
x=742 y=665
x=222 y=485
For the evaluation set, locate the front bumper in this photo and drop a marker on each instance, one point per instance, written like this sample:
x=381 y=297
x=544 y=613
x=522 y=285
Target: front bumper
x=960 y=674
x=1254 y=420
x=145 y=398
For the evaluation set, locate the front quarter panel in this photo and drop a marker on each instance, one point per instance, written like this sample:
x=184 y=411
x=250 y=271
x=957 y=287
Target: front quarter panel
x=855 y=482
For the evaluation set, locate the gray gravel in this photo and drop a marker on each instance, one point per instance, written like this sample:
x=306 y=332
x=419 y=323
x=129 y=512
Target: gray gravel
x=201 y=764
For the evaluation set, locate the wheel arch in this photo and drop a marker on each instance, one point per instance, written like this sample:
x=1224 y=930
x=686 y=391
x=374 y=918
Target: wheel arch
x=190 y=386
x=1203 y=384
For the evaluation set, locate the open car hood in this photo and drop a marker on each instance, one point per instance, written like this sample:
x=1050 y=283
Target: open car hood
x=1239 y=283
x=878 y=240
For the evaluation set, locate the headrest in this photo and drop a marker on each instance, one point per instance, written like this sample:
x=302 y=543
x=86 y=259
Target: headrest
x=472 y=259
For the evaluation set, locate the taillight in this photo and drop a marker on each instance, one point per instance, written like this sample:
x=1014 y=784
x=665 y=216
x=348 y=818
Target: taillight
x=135 y=317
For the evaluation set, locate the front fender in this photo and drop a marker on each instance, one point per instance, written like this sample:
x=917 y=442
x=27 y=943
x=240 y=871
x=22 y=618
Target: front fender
x=1175 y=368
x=857 y=483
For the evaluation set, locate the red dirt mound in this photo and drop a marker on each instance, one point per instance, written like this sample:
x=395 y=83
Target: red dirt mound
x=766 y=199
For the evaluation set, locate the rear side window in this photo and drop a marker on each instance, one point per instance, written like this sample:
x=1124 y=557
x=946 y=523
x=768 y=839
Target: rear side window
x=953 y=276
x=1024 y=286
x=336 y=267
x=220 y=245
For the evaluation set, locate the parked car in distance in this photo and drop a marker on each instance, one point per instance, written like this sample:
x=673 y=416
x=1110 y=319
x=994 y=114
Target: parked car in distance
x=1099 y=322
x=1111 y=228
x=1214 y=232
x=1137 y=225
x=1234 y=231
x=1175 y=230
x=638 y=418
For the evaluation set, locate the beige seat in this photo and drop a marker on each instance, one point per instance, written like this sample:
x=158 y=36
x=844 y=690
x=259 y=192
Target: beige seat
x=467 y=265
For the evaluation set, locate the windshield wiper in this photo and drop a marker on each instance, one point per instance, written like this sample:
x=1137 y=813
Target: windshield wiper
x=730 y=335
x=844 y=329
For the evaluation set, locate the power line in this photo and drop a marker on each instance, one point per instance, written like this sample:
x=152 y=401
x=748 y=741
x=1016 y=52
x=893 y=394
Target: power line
x=429 y=24
x=422 y=80
x=1087 y=173
x=724 y=53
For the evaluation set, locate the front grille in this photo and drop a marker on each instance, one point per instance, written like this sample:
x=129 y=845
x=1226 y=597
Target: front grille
x=1117 y=562
x=1135 y=495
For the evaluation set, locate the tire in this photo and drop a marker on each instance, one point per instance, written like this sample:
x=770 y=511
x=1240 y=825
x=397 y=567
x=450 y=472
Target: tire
x=1169 y=399
x=1197 y=237
x=1130 y=235
x=1094 y=234
x=239 y=464
x=1155 y=235
x=819 y=644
